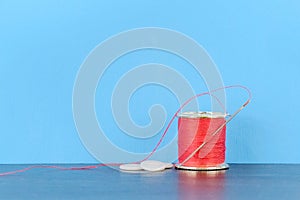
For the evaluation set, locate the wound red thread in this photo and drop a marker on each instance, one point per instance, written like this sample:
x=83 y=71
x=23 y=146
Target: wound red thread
x=192 y=132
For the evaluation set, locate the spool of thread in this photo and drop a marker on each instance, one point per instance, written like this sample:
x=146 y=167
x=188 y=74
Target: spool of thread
x=205 y=131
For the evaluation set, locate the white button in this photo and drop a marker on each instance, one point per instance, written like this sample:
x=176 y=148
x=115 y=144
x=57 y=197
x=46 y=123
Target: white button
x=131 y=167
x=153 y=165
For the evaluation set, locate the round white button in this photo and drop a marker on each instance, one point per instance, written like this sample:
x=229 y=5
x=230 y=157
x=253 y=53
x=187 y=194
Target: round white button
x=131 y=167
x=153 y=165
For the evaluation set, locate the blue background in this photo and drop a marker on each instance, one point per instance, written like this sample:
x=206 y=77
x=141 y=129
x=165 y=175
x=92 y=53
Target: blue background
x=43 y=43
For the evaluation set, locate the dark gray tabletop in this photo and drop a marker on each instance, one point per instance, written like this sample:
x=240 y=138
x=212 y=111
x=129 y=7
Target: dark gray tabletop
x=241 y=181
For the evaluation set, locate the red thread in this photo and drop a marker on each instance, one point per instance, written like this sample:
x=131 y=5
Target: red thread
x=193 y=132
x=158 y=143
x=57 y=167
